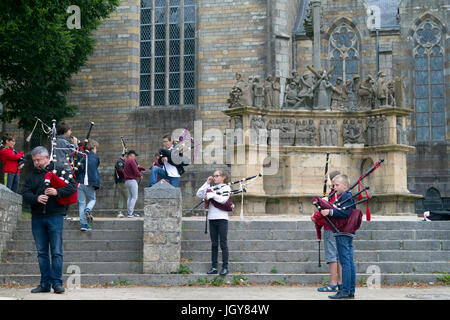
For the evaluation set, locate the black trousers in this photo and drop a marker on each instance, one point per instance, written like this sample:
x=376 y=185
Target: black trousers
x=218 y=231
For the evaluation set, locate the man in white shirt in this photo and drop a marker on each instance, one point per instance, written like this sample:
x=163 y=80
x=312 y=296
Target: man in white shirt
x=170 y=170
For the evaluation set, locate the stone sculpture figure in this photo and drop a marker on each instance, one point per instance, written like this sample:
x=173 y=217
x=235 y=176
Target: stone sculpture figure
x=322 y=133
x=258 y=93
x=237 y=122
x=390 y=98
x=268 y=92
x=301 y=133
x=366 y=93
x=276 y=88
x=333 y=133
x=381 y=92
x=356 y=85
x=292 y=100
x=240 y=93
x=305 y=93
x=352 y=133
x=322 y=92
x=312 y=133
x=371 y=131
x=337 y=95
x=287 y=133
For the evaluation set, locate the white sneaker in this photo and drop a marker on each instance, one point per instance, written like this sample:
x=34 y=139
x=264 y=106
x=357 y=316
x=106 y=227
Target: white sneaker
x=120 y=215
x=133 y=215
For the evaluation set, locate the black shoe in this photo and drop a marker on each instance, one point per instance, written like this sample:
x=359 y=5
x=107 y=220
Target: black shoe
x=224 y=271
x=351 y=295
x=40 y=289
x=212 y=271
x=58 y=289
x=340 y=295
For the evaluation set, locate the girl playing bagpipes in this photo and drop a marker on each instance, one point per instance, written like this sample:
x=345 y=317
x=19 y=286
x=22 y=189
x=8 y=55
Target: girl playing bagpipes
x=218 y=206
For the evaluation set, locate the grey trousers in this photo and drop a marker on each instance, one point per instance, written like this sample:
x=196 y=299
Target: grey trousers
x=132 y=188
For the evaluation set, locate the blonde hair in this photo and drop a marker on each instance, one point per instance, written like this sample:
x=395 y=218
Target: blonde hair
x=92 y=144
x=343 y=178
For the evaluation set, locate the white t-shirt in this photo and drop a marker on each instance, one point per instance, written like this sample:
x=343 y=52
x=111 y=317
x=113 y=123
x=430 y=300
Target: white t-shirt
x=171 y=170
x=213 y=212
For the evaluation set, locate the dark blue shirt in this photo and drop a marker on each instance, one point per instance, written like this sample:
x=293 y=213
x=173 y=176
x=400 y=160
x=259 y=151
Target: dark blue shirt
x=340 y=213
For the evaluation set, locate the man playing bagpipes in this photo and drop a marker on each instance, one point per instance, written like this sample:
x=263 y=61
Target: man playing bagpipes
x=47 y=217
x=331 y=256
x=172 y=169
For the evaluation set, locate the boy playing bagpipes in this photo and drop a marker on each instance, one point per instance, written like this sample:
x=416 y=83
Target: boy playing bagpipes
x=331 y=256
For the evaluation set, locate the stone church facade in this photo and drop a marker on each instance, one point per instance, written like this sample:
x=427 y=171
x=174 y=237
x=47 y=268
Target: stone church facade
x=160 y=65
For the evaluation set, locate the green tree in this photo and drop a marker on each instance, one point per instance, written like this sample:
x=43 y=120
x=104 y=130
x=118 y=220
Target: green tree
x=40 y=51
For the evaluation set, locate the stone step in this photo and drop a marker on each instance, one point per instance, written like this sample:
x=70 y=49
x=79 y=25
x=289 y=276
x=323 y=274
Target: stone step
x=100 y=224
x=312 y=267
x=310 y=234
x=199 y=225
x=85 y=256
x=189 y=279
x=305 y=256
x=77 y=235
x=85 y=267
x=259 y=245
x=85 y=245
x=308 y=225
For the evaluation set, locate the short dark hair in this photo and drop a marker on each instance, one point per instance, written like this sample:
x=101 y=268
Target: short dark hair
x=62 y=128
x=167 y=136
x=8 y=137
x=132 y=152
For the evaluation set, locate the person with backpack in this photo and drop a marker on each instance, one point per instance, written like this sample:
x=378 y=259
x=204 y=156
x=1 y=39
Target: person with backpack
x=88 y=178
x=344 y=239
x=119 y=182
x=218 y=206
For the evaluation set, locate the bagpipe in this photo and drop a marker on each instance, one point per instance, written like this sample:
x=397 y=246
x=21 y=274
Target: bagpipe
x=229 y=206
x=81 y=148
x=125 y=151
x=58 y=178
x=344 y=226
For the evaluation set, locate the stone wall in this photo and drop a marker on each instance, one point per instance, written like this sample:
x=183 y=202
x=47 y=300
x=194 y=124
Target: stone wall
x=10 y=212
x=162 y=228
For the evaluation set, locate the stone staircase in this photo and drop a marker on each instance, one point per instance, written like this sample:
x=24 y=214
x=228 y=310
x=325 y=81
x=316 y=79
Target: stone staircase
x=262 y=251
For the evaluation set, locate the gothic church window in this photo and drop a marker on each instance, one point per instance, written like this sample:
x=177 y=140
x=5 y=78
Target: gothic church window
x=167 y=52
x=343 y=52
x=429 y=82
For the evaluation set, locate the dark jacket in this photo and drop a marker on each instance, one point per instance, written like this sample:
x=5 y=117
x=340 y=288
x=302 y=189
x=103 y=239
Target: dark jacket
x=168 y=153
x=93 y=175
x=348 y=220
x=118 y=171
x=34 y=186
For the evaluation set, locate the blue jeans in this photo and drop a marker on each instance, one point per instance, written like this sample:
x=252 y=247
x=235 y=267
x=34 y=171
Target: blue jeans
x=344 y=246
x=12 y=181
x=83 y=193
x=47 y=233
x=157 y=171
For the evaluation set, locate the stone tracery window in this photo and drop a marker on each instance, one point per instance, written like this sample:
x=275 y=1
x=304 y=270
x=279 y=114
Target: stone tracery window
x=343 y=52
x=167 y=52
x=429 y=82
